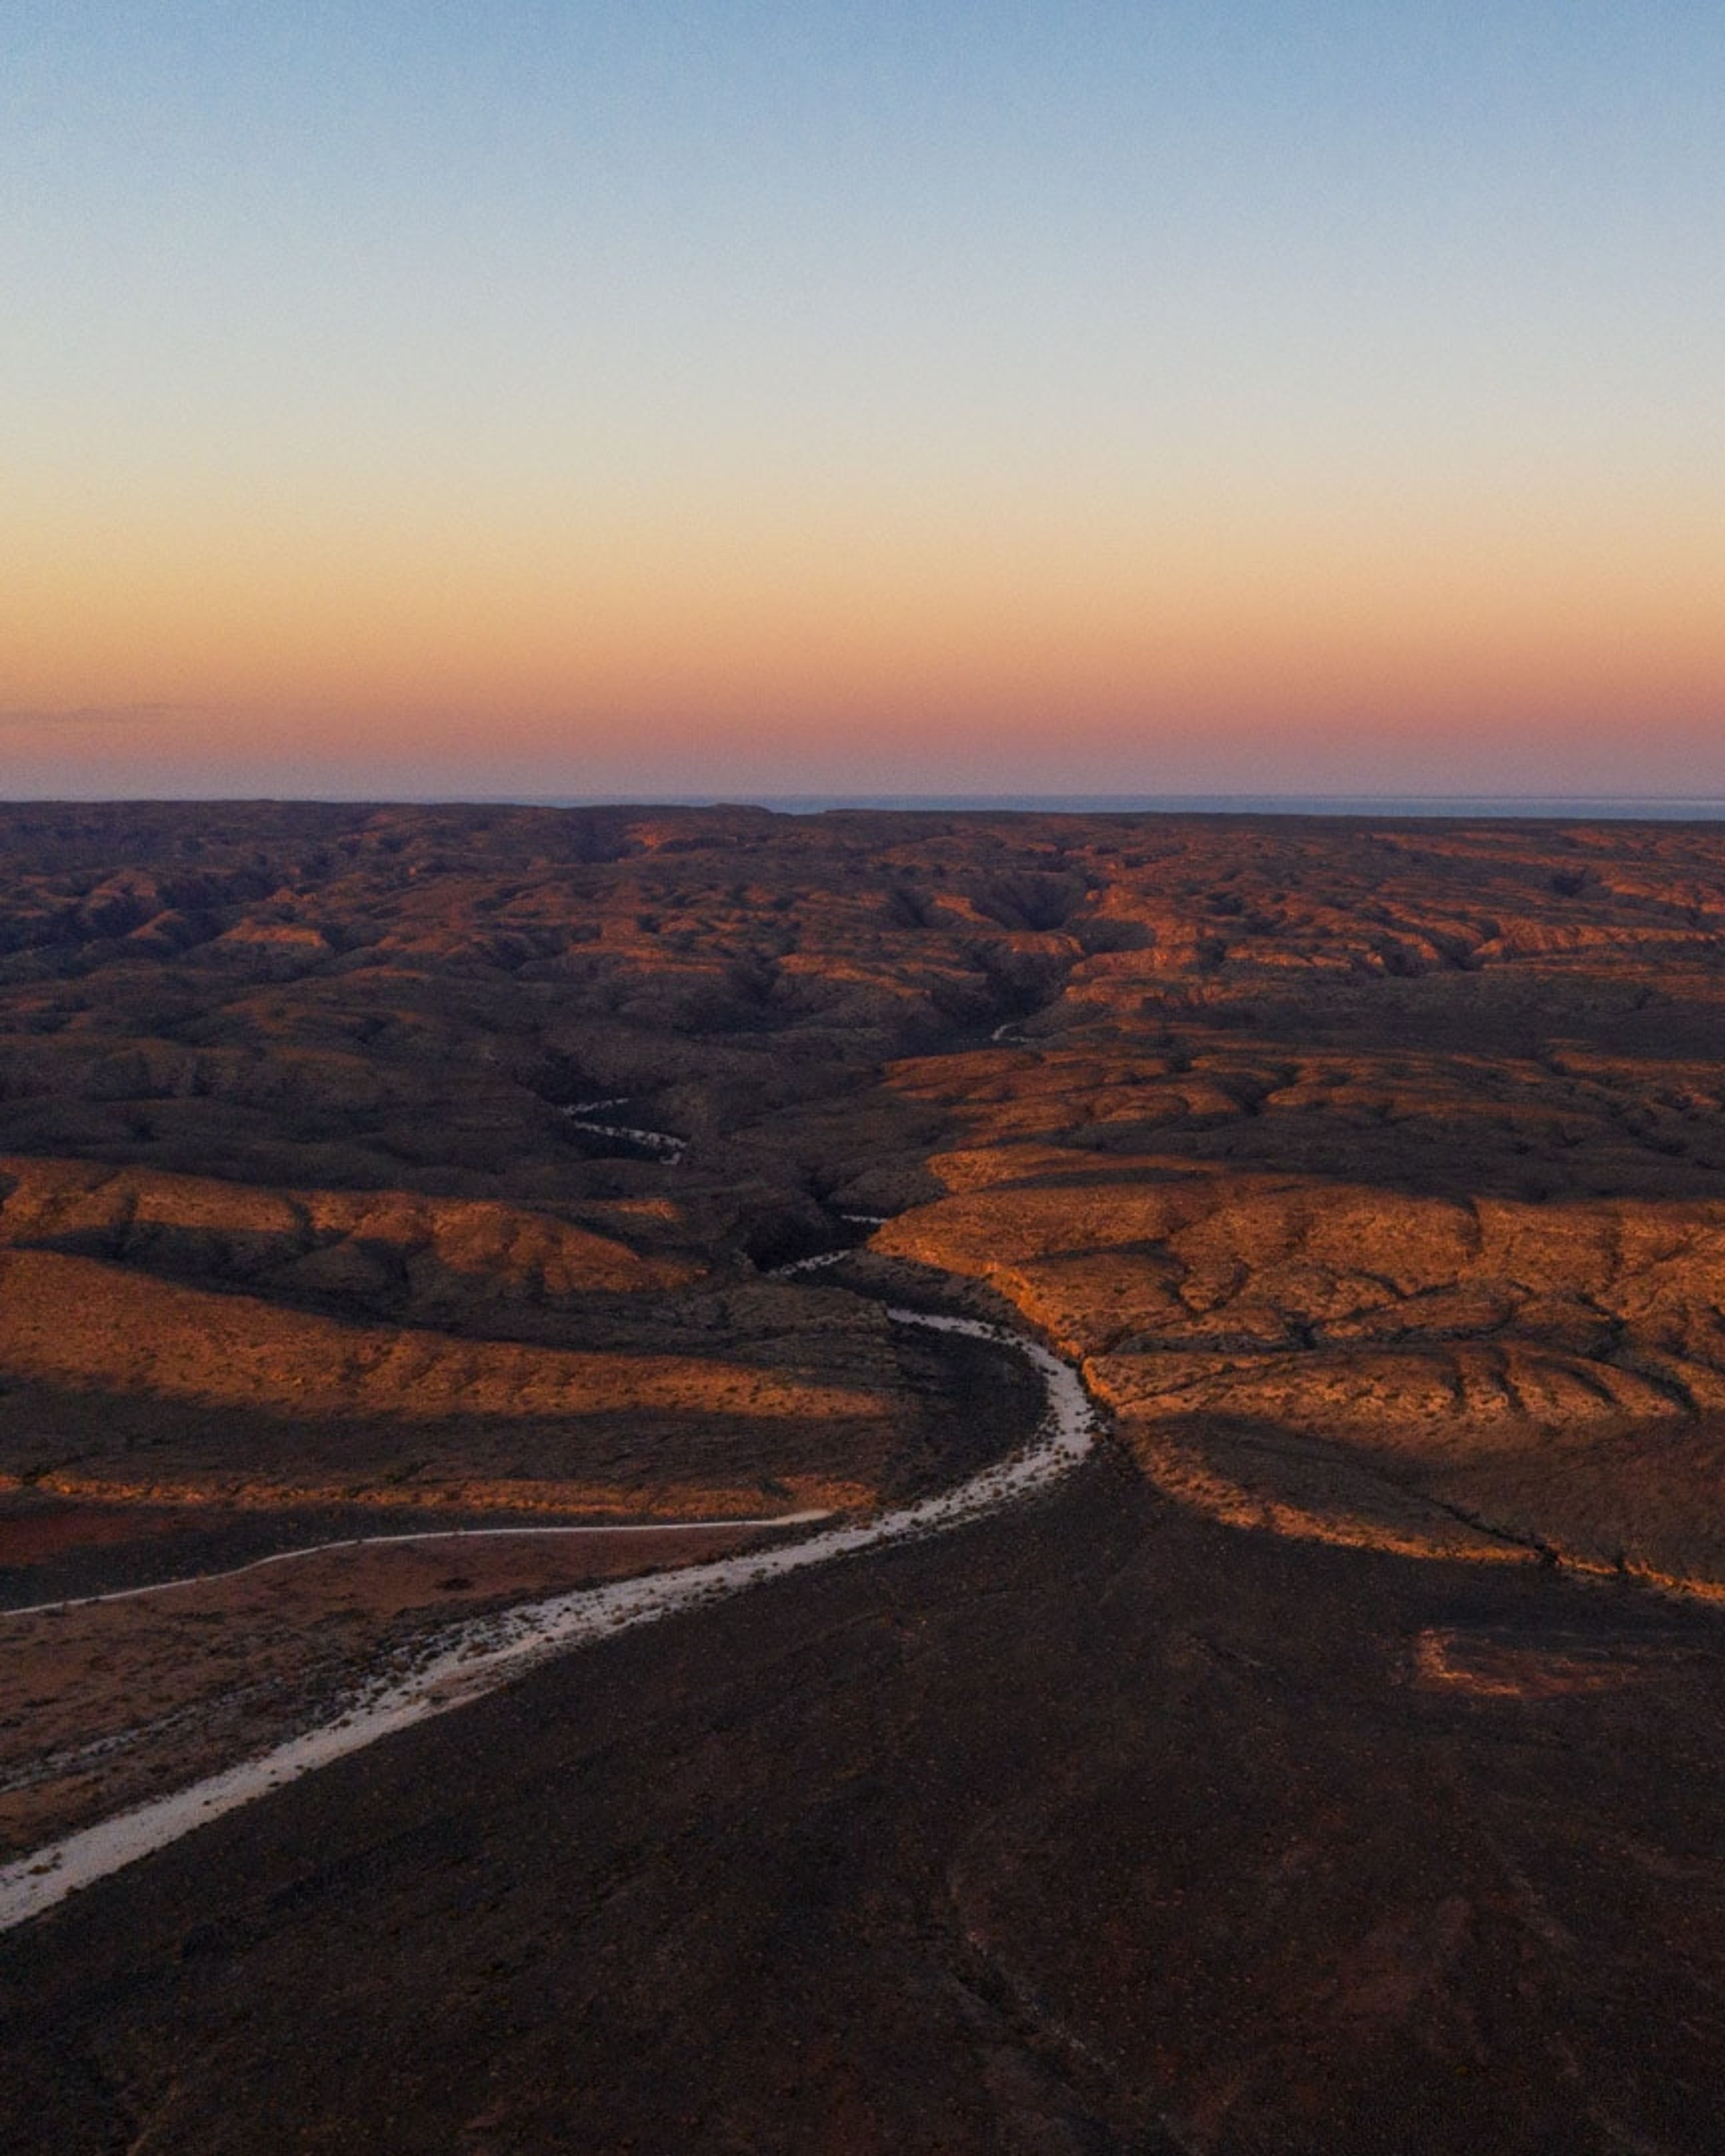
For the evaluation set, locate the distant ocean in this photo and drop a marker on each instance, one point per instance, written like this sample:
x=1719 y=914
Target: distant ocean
x=1642 y=808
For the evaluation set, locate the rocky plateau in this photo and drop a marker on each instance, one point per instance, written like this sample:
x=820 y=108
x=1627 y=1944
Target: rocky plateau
x=1328 y=1765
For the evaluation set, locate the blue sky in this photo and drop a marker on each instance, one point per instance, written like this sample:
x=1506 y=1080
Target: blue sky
x=646 y=326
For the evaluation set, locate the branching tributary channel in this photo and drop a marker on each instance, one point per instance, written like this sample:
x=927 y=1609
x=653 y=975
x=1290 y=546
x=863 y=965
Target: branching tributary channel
x=475 y=1657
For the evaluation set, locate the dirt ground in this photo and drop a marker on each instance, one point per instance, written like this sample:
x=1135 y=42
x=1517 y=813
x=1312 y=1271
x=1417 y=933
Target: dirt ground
x=1329 y=1771
x=103 y=1705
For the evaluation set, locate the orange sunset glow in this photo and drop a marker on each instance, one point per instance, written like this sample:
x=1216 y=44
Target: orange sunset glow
x=1052 y=412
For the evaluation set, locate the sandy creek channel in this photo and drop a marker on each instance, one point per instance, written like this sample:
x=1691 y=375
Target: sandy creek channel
x=469 y=1659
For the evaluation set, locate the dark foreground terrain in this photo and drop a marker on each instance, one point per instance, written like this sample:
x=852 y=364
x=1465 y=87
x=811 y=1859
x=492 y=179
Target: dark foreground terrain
x=1101 y=1829
x=1329 y=1765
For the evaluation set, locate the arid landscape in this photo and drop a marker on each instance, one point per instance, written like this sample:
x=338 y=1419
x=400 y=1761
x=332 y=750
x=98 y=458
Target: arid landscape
x=1325 y=1762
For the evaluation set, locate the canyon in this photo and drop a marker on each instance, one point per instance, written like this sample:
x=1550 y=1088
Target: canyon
x=1321 y=1763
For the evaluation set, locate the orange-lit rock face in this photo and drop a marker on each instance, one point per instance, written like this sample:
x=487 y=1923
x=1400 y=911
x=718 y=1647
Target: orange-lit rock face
x=1343 y=1362
x=424 y=1252
x=1402 y=1139
x=1276 y=1781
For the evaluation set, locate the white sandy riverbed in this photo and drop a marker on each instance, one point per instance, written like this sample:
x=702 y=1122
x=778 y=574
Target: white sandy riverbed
x=475 y=1657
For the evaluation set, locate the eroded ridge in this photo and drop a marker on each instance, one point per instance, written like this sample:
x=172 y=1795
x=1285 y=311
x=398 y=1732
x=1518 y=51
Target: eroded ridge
x=472 y=1659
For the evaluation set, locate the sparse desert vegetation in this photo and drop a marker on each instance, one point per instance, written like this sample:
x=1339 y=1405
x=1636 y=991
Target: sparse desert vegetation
x=1324 y=1767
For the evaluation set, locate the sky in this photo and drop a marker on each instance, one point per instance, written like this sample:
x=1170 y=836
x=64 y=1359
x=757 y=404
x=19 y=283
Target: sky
x=740 y=398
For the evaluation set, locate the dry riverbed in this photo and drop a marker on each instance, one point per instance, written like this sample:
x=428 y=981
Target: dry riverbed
x=106 y=1704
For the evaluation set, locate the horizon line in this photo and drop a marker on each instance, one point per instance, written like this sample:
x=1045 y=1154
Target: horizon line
x=1533 y=806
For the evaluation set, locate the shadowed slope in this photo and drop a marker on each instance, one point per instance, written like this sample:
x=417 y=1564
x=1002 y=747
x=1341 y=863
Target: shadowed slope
x=1028 y=1840
x=1277 y=1788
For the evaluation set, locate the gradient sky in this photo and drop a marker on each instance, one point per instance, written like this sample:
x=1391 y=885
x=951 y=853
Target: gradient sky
x=751 y=397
